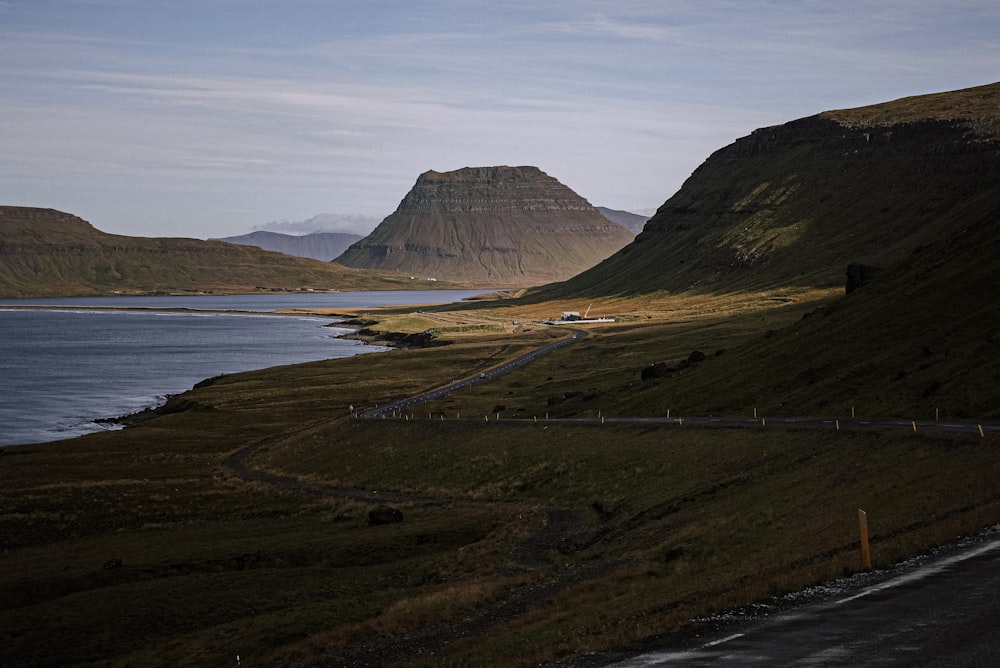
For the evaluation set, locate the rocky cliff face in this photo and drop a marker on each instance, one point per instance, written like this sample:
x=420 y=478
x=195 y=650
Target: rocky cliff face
x=795 y=204
x=492 y=225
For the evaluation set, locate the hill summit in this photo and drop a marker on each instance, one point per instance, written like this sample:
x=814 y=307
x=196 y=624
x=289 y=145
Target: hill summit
x=44 y=252
x=490 y=225
x=795 y=204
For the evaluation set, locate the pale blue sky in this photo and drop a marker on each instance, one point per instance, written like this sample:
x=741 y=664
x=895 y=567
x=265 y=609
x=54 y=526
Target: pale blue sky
x=211 y=117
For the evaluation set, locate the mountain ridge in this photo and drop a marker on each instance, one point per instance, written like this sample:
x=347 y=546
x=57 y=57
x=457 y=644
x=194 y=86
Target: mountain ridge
x=794 y=204
x=503 y=225
x=322 y=246
x=45 y=252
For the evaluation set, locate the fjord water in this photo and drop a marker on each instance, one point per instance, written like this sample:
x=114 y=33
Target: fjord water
x=62 y=369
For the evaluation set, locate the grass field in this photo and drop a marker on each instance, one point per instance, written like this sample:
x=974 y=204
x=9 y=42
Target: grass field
x=521 y=542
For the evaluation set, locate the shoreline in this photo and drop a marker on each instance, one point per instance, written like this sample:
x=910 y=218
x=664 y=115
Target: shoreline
x=159 y=309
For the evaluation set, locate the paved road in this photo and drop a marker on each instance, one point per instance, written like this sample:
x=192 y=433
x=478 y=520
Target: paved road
x=943 y=613
x=400 y=406
x=388 y=410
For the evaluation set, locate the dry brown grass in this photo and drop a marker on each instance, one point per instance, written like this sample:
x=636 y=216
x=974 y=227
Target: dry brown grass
x=679 y=522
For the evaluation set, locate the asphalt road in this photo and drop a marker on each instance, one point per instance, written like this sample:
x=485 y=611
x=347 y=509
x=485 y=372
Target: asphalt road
x=400 y=406
x=945 y=612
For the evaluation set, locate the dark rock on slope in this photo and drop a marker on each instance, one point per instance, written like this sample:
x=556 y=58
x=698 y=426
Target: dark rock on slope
x=489 y=225
x=324 y=246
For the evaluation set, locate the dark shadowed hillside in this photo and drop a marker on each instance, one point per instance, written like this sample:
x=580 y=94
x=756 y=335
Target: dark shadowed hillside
x=323 y=246
x=500 y=225
x=920 y=340
x=46 y=252
x=795 y=204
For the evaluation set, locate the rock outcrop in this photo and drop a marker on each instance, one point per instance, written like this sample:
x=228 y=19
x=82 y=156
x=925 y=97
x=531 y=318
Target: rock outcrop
x=490 y=225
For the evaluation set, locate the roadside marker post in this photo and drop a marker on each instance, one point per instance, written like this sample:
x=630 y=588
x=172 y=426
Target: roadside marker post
x=982 y=434
x=866 y=555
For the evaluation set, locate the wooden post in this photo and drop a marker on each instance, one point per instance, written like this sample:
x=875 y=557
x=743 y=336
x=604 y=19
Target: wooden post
x=914 y=425
x=837 y=424
x=982 y=434
x=866 y=555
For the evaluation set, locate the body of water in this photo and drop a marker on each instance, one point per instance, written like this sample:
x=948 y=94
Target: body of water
x=62 y=369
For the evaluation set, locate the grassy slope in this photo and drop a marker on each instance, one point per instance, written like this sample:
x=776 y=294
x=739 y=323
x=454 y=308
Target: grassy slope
x=918 y=342
x=49 y=253
x=674 y=523
x=685 y=521
x=793 y=205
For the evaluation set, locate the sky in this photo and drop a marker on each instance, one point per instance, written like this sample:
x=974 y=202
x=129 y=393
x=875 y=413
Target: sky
x=213 y=118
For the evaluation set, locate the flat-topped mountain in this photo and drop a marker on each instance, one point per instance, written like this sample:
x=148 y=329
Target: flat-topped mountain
x=492 y=225
x=796 y=203
x=44 y=252
x=323 y=246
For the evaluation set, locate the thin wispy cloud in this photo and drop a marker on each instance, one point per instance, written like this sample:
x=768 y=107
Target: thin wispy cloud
x=208 y=118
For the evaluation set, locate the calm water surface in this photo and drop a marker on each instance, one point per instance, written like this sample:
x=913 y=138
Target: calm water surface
x=62 y=369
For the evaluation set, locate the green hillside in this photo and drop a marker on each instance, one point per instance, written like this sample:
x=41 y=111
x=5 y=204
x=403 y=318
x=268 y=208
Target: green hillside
x=793 y=205
x=49 y=253
x=248 y=517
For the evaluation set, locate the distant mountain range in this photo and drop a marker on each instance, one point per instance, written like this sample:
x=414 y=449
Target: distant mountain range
x=497 y=225
x=44 y=252
x=632 y=222
x=324 y=246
